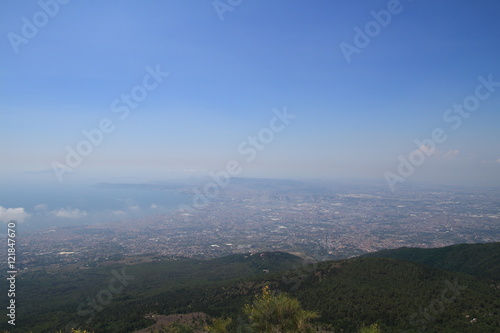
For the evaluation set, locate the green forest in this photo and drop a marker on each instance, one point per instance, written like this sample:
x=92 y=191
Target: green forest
x=452 y=289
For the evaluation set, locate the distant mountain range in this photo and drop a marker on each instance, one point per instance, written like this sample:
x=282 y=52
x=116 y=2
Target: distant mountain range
x=451 y=289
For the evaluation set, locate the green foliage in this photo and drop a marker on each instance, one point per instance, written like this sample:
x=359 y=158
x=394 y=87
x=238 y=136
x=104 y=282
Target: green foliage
x=395 y=294
x=373 y=328
x=479 y=260
x=50 y=300
x=220 y=325
x=278 y=314
x=347 y=294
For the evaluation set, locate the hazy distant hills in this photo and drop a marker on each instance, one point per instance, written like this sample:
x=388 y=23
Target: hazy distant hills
x=481 y=260
x=399 y=295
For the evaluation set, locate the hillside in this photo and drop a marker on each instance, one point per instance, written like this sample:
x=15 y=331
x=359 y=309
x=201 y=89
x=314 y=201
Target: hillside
x=480 y=260
x=95 y=297
x=397 y=294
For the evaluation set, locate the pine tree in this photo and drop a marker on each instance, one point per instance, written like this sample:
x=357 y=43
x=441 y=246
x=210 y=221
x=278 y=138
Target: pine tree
x=278 y=314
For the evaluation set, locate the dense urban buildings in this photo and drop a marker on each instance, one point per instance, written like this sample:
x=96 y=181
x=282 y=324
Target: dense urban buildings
x=315 y=220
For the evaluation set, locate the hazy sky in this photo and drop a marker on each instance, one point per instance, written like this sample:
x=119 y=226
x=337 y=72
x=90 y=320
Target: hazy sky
x=361 y=90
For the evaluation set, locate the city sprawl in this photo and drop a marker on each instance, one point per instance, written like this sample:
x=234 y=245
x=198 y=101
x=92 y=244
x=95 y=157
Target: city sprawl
x=315 y=220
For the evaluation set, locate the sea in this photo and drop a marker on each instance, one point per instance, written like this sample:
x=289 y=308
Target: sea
x=44 y=206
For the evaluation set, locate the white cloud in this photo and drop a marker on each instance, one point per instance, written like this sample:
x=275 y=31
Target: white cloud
x=17 y=214
x=118 y=212
x=41 y=207
x=69 y=213
x=153 y=206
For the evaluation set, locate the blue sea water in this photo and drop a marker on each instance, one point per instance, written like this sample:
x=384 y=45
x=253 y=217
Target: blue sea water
x=65 y=205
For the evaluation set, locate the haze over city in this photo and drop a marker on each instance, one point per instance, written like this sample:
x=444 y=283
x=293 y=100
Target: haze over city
x=225 y=78
x=386 y=91
x=250 y=166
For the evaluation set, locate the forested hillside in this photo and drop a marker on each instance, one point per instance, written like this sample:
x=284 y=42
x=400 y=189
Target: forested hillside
x=395 y=294
x=481 y=260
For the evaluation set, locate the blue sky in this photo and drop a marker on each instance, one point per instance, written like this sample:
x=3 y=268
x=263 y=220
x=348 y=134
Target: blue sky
x=353 y=120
